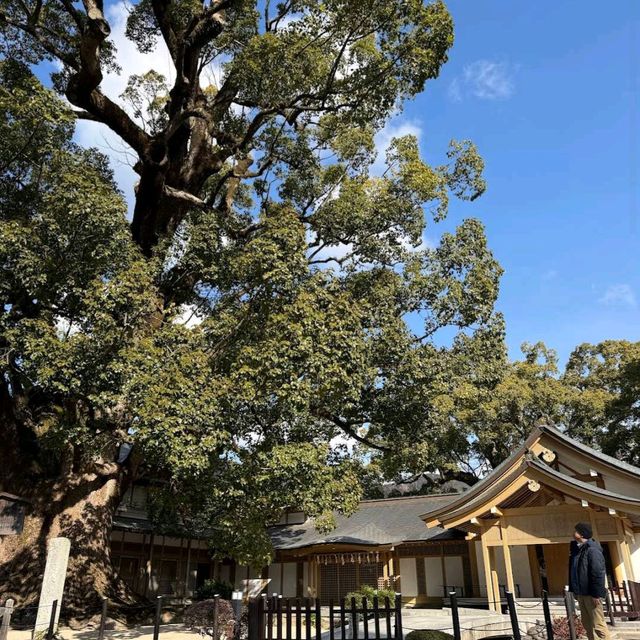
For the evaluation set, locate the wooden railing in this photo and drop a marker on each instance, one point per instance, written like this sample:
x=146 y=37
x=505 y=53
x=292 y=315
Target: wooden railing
x=624 y=600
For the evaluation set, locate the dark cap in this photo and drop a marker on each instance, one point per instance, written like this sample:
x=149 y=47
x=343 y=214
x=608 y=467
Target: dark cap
x=584 y=530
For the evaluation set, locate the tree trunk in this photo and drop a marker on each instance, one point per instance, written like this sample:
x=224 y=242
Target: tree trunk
x=78 y=507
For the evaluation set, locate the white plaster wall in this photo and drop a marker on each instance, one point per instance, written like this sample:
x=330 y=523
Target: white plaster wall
x=275 y=586
x=289 y=580
x=408 y=577
x=454 y=571
x=522 y=570
x=433 y=574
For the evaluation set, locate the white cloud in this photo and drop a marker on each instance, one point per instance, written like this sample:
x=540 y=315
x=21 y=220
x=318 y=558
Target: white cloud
x=189 y=316
x=619 y=295
x=342 y=441
x=425 y=243
x=485 y=80
x=65 y=328
x=395 y=128
x=128 y=56
x=455 y=90
x=326 y=254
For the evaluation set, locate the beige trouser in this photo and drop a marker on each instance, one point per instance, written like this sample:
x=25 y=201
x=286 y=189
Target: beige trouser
x=592 y=617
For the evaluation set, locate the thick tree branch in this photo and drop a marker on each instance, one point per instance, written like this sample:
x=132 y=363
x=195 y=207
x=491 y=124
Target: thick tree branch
x=185 y=197
x=207 y=26
x=349 y=428
x=103 y=109
x=160 y=10
x=74 y=13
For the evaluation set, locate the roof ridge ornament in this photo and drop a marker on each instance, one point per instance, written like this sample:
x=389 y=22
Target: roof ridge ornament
x=533 y=485
x=548 y=455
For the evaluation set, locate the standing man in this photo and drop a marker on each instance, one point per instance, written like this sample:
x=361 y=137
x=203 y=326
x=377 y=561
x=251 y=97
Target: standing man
x=587 y=581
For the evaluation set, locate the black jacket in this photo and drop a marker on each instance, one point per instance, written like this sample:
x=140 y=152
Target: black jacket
x=586 y=576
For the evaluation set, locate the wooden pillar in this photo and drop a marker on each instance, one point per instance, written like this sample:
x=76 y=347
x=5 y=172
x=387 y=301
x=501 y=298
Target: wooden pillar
x=625 y=552
x=534 y=567
x=495 y=583
x=421 y=576
x=159 y=565
x=188 y=575
x=142 y=570
x=394 y=570
x=215 y=571
x=443 y=564
x=314 y=578
x=486 y=558
x=179 y=569
x=628 y=564
x=504 y=534
x=385 y=570
x=615 y=550
x=594 y=524
x=596 y=535
x=149 y=566
x=473 y=562
x=232 y=574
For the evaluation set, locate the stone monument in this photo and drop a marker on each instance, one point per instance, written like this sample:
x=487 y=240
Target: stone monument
x=55 y=572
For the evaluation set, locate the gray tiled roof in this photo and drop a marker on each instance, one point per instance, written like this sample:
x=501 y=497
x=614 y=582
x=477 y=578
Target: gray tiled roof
x=132 y=524
x=376 y=522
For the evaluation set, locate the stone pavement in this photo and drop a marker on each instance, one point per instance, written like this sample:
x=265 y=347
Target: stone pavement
x=167 y=632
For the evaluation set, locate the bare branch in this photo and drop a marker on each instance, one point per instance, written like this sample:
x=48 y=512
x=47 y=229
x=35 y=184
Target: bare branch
x=45 y=43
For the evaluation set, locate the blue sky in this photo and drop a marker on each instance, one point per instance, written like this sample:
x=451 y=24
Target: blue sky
x=550 y=93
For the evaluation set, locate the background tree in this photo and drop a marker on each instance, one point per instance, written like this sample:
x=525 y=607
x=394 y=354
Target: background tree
x=254 y=310
x=529 y=392
x=596 y=400
x=604 y=380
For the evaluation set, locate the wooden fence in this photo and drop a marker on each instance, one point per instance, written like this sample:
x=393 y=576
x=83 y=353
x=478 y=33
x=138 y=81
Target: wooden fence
x=278 y=618
x=624 y=600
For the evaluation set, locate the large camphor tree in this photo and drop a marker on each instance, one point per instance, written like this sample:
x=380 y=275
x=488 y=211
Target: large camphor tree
x=251 y=318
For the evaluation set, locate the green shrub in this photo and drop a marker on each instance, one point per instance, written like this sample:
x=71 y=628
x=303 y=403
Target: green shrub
x=365 y=591
x=428 y=634
x=212 y=588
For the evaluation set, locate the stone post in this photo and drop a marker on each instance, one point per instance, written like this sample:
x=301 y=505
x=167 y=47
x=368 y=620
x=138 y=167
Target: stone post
x=55 y=572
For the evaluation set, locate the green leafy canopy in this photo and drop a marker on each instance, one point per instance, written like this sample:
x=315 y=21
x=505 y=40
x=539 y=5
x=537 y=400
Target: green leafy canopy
x=252 y=314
